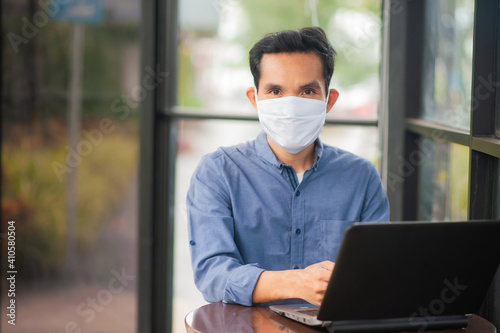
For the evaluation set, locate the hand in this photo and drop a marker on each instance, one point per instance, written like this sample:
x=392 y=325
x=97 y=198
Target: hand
x=313 y=280
x=308 y=284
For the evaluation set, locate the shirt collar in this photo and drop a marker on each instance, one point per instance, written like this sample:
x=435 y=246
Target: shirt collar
x=266 y=154
x=318 y=153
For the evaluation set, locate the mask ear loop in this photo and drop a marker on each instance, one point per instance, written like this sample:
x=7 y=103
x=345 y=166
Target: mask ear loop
x=255 y=93
x=327 y=96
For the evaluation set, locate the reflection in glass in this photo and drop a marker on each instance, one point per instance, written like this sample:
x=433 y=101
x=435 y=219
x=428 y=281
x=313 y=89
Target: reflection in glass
x=443 y=181
x=217 y=35
x=199 y=137
x=459 y=171
x=497 y=109
x=69 y=163
x=497 y=123
x=497 y=112
x=496 y=191
x=448 y=35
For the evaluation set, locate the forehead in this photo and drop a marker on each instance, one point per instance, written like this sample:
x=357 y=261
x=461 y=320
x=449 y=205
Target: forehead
x=291 y=68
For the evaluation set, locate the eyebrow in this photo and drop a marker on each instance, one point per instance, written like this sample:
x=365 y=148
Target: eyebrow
x=271 y=86
x=312 y=84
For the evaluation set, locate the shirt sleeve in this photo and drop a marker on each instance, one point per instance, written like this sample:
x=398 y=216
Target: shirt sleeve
x=219 y=271
x=376 y=204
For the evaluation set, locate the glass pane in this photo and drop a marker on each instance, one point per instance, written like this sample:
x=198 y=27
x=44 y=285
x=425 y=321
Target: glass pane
x=217 y=35
x=443 y=180
x=69 y=164
x=360 y=140
x=497 y=111
x=497 y=122
x=448 y=36
x=496 y=191
x=197 y=138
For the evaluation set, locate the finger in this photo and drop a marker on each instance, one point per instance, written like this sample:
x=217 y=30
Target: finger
x=328 y=265
x=324 y=274
x=320 y=288
x=322 y=291
x=325 y=268
x=316 y=302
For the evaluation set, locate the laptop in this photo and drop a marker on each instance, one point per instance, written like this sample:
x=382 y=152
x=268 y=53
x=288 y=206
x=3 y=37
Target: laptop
x=406 y=276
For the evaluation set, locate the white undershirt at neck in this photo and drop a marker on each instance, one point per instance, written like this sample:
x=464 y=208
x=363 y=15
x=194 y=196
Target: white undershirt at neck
x=300 y=176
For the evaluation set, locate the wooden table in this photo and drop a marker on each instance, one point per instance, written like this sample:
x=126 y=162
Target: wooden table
x=220 y=318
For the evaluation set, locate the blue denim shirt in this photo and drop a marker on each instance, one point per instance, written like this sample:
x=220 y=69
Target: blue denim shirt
x=247 y=213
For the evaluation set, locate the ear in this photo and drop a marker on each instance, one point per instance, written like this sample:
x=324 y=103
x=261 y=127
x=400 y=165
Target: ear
x=332 y=98
x=251 y=96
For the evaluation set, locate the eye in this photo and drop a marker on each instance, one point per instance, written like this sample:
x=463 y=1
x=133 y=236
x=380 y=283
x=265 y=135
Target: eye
x=308 y=92
x=275 y=92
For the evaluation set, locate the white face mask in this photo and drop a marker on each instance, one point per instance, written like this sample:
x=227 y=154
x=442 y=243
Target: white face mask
x=292 y=122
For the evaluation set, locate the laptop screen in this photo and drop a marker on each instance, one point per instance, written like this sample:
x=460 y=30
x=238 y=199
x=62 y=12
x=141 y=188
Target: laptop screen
x=412 y=270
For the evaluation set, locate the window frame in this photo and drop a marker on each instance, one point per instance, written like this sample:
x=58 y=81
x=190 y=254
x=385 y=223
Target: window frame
x=156 y=169
x=402 y=94
x=402 y=58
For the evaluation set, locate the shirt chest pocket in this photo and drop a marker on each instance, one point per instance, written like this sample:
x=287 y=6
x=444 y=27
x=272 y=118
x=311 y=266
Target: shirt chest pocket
x=331 y=233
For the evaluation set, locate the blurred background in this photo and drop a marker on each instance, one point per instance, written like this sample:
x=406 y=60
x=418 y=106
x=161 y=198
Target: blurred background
x=71 y=87
x=69 y=162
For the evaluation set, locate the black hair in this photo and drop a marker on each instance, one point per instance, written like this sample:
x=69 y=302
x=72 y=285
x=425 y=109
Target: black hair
x=309 y=39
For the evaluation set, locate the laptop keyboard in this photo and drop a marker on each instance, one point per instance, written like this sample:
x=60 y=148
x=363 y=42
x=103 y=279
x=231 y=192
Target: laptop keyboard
x=311 y=312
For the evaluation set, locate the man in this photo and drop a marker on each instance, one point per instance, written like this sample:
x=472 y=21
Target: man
x=266 y=217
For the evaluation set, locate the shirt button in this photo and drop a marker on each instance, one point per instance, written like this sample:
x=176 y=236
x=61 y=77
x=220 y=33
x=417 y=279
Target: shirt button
x=297 y=193
x=192 y=242
x=298 y=231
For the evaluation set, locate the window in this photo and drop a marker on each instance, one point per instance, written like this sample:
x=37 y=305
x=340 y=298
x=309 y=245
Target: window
x=212 y=109
x=71 y=89
x=447 y=58
x=216 y=37
x=441 y=161
x=443 y=181
x=69 y=163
